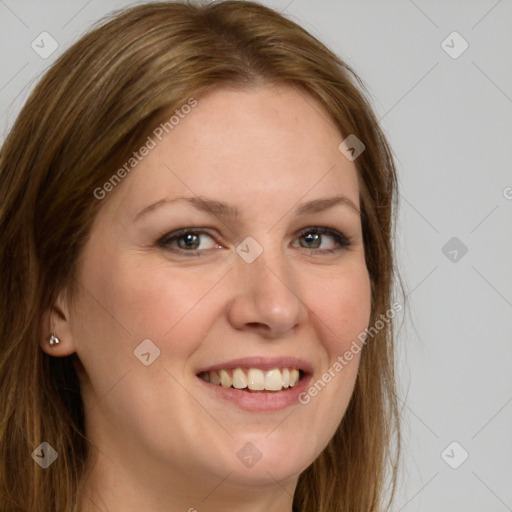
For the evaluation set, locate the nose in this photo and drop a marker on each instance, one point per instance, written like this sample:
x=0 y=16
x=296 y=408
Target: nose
x=266 y=296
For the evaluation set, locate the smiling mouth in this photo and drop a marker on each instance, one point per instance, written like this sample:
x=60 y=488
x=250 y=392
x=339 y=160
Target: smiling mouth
x=254 y=379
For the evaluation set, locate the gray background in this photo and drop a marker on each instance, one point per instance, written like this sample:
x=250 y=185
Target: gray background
x=449 y=121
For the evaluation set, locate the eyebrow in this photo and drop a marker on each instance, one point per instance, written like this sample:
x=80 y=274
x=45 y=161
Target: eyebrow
x=219 y=208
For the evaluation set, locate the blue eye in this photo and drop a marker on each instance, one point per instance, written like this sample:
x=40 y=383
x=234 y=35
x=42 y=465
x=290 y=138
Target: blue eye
x=189 y=241
x=314 y=236
x=186 y=239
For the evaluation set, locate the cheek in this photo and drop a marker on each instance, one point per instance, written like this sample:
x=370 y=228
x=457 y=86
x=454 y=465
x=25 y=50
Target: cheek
x=144 y=297
x=158 y=300
x=343 y=307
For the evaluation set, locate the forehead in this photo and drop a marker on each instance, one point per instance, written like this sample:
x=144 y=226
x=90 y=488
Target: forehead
x=266 y=144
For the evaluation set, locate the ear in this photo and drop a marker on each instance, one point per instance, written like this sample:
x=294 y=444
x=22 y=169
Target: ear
x=57 y=320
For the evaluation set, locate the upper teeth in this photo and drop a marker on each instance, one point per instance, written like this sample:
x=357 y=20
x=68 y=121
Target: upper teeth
x=254 y=378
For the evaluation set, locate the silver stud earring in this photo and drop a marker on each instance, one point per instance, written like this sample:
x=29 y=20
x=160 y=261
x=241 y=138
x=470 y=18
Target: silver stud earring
x=53 y=340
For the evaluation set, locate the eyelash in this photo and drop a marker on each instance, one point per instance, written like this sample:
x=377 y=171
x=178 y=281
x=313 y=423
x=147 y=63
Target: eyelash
x=342 y=241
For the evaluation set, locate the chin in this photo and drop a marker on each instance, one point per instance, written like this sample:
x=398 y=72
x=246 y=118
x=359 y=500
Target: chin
x=265 y=460
x=261 y=474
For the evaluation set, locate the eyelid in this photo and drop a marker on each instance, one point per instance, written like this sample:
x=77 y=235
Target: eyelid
x=165 y=240
x=342 y=240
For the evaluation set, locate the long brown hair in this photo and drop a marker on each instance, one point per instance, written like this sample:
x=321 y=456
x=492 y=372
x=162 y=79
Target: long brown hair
x=83 y=120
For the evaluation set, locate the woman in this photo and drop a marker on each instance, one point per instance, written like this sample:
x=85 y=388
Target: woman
x=197 y=261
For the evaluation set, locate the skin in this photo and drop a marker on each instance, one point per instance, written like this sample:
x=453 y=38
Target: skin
x=160 y=442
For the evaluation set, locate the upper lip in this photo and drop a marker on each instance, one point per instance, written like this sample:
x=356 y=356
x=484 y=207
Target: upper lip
x=263 y=363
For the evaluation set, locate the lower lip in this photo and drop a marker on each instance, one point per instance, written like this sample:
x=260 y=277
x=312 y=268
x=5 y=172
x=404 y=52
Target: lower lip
x=260 y=400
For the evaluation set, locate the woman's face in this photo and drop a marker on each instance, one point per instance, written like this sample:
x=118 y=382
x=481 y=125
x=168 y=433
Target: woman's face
x=256 y=291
